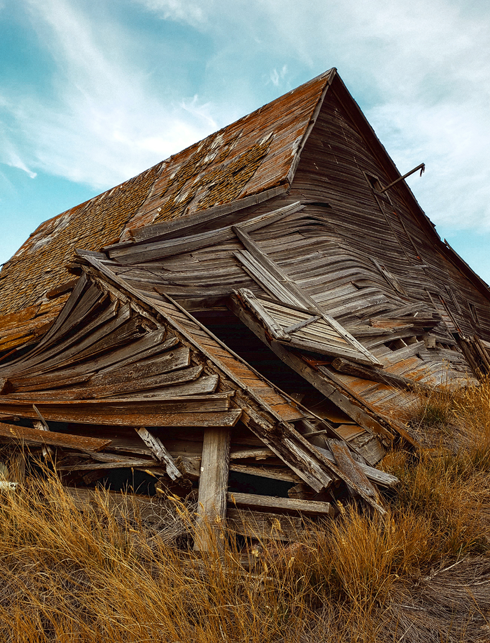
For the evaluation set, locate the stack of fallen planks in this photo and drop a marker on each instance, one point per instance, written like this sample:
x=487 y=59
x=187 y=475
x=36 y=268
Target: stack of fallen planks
x=111 y=386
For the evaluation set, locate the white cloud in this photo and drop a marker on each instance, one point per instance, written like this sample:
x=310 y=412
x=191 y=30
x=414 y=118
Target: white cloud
x=105 y=124
x=187 y=11
x=277 y=76
x=420 y=70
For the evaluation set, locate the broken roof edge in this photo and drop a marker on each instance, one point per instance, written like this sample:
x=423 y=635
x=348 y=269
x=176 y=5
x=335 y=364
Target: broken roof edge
x=330 y=75
x=44 y=226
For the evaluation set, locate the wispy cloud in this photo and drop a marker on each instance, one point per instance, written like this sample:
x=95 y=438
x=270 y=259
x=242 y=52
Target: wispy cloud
x=421 y=72
x=277 y=76
x=105 y=123
x=189 y=11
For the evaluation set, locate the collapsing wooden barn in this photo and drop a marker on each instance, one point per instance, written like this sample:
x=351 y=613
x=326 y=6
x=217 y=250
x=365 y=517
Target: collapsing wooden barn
x=253 y=317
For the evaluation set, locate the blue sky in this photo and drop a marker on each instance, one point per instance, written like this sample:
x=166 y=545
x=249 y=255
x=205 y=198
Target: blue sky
x=94 y=92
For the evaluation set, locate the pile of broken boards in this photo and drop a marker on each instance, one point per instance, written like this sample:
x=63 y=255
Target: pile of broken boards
x=132 y=390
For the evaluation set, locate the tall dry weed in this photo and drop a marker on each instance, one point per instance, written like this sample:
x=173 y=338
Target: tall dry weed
x=96 y=574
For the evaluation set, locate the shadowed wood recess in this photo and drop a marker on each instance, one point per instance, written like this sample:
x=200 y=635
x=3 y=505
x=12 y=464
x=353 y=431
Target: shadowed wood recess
x=252 y=321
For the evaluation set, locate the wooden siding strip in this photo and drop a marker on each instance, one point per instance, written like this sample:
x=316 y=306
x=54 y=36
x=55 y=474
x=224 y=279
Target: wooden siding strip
x=270 y=503
x=64 y=440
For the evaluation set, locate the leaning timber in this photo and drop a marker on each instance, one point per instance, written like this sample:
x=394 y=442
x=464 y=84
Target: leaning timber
x=250 y=321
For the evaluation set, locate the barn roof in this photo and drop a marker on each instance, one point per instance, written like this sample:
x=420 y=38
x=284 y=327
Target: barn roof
x=250 y=156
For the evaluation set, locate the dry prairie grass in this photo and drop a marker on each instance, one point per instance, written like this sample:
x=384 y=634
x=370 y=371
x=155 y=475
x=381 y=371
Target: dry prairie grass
x=420 y=574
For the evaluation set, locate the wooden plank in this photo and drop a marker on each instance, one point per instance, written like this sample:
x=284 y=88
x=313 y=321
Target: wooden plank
x=42 y=425
x=119 y=416
x=375 y=475
x=59 y=346
x=258 y=454
x=263 y=278
x=350 y=467
x=213 y=482
x=35 y=436
x=142 y=349
x=109 y=406
x=132 y=387
x=67 y=309
x=269 y=322
x=384 y=377
x=272 y=503
x=160 y=452
x=122 y=463
x=273 y=473
x=162 y=363
x=295 y=294
x=200 y=386
x=182 y=227
x=325 y=349
x=302 y=324
x=109 y=335
x=262 y=525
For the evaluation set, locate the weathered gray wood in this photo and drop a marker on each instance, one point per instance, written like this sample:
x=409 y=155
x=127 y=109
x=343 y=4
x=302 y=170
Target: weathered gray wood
x=149 y=346
x=302 y=324
x=264 y=278
x=124 y=412
x=254 y=254
x=295 y=294
x=65 y=313
x=160 y=452
x=350 y=467
x=311 y=375
x=182 y=227
x=257 y=454
x=213 y=483
x=42 y=425
x=350 y=368
x=273 y=473
x=262 y=525
x=127 y=463
x=35 y=436
x=272 y=503
x=58 y=347
x=169 y=361
x=324 y=348
x=375 y=475
x=165 y=386
x=269 y=322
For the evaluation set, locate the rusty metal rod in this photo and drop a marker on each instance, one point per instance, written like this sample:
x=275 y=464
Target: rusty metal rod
x=420 y=167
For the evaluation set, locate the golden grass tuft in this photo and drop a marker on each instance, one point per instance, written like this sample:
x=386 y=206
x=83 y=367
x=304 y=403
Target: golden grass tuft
x=419 y=574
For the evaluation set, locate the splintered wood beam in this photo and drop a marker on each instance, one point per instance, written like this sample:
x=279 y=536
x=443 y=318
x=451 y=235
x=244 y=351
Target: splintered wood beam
x=293 y=449
x=350 y=467
x=271 y=325
x=213 y=483
x=42 y=425
x=375 y=475
x=273 y=473
x=160 y=452
x=271 y=503
x=125 y=413
x=65 y=440
x=129 y=463
x=356 y=370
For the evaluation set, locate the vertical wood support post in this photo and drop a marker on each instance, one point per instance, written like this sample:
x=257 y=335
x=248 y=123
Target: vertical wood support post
x=213 y=484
